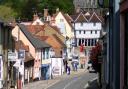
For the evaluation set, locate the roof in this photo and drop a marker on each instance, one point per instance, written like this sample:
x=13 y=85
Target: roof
x=95 y=18
x=28 y=56
x=35 y=28
x=55 y=28
x=59 y=40
x=37 y=43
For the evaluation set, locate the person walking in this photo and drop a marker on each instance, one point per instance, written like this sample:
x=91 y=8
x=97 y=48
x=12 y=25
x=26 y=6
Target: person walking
x=68 y=70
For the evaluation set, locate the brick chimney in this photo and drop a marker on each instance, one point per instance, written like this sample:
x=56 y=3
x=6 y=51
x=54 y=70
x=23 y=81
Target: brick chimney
x=35 y=17
x=45 y=13
x=78 y=9
x=57 y=10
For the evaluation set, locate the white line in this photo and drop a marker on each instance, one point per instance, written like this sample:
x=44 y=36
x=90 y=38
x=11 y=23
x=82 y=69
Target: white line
x=86 y=86
x=70 y=83
x=94 y=79
x=52 y=84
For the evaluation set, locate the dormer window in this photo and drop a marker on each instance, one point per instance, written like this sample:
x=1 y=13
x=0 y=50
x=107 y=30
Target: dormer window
x=61 y=20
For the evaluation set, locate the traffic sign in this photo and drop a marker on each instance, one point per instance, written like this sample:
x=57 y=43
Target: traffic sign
x=21 y=54
x=11 y=56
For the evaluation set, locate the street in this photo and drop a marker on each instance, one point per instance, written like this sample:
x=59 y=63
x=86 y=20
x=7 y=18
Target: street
x=77 y=80
x=74 y=82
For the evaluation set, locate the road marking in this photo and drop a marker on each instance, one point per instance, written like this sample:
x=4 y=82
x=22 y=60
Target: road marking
x=52 y=84
x=71 y=82
x=86 y=85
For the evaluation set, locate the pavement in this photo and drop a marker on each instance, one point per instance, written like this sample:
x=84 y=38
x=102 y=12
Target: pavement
x=92 y=84
x=44 y=84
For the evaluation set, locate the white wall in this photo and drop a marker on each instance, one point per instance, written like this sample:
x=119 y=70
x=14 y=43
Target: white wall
x=88 y=30
x=88 y=26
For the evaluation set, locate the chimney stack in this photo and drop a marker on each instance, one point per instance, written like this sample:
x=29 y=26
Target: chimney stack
x=45 y=12
x=35 y=17
x=78 y=9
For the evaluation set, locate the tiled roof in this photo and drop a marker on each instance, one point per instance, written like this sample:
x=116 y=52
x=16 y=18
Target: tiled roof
x=55 y=28
x=37 y=43
x=68 y=19
x=35 y=28
x=58 y=39
x=21 y=45
x=84 y=17
x=81 y=18
x=95 y=18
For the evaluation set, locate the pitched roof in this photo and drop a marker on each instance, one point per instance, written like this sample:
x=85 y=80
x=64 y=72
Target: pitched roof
x=95 y=18
x=59 y=40
x=28 y=56
x=55 y=28
x=35 y=28
x=37 y=43
x=81 y=18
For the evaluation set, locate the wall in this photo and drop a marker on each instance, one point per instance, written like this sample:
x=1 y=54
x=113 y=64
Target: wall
x=88 y=27
x=23 y=38
x=67 y=28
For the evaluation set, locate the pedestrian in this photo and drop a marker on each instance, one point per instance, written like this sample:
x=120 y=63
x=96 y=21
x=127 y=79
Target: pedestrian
x=68 y=70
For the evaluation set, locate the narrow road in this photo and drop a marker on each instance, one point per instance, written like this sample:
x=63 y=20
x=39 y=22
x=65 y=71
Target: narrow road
x=74 y=82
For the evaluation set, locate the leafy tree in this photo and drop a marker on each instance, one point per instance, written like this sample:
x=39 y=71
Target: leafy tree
x=7 y=13
x=24 y=8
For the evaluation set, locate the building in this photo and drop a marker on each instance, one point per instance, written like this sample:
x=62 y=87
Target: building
x=63 y=22
x=85 y=3
x=87 y=28
x=123 y=44
x=36 y=48
x=5 y=45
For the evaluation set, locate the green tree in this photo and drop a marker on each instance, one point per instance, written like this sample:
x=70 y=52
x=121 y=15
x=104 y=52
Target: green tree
x=7 y=13
x=24 y=8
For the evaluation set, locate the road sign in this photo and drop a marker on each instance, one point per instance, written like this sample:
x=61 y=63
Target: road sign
x=21 y=54
x=11 y=56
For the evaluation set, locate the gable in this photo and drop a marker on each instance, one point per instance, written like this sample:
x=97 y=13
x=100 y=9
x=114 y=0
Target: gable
x=81 y=18
x=95 y=18
x=37 y=22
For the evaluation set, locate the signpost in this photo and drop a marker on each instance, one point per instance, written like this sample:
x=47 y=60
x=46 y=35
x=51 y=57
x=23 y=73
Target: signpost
x=11 y=56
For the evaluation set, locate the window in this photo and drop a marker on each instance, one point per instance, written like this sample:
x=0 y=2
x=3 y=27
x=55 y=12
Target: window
x=61 y=20
x=95 y=32
x=79 y=32
x=91 y=42
x=81 y=24
x=91 y=32
x=94 y=24
x=85 y=42
x=84 y=32
x=79 y=42
x=46 y=53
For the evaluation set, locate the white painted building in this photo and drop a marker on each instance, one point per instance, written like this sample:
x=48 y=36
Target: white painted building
x=87 y=28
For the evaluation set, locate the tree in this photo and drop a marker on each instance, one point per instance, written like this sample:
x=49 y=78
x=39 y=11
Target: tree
x=7 y=13
x=95 y=52
x=24 y=8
